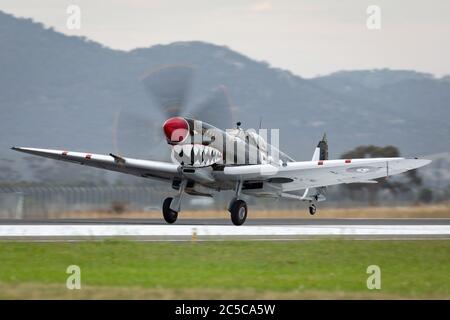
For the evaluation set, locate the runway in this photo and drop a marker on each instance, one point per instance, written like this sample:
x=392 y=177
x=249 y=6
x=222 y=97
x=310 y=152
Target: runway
x=227 y=222
x=221 y=229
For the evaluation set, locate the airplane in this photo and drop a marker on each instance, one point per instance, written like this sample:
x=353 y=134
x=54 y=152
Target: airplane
x=207 y=160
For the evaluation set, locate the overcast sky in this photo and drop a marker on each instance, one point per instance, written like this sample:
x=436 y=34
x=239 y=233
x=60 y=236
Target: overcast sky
x=307 y=37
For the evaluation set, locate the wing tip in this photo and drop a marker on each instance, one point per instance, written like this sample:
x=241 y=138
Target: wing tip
x=22 y=149
x=420 y=162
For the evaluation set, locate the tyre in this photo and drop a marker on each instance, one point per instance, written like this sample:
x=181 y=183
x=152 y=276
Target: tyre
x=169 y=215
x=312 y=209
x=238 y=210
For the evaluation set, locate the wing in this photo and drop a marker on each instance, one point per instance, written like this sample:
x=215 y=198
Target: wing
x=142 y=168
x=313 y=174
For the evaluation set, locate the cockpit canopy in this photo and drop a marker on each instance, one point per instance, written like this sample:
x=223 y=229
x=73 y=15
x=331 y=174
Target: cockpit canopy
x=250 y=136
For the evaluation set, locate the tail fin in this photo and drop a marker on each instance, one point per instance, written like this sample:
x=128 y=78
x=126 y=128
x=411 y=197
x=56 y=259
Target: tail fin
x=321 y=151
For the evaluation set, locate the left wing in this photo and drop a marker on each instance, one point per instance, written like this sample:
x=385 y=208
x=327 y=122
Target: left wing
x=313 y=174
x=142 y=168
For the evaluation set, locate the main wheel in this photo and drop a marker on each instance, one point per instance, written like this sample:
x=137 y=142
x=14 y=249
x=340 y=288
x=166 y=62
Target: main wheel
x=238 y=210
x=312 y=209
x=169 y=215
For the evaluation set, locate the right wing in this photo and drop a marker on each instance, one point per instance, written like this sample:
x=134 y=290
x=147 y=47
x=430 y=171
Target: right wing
x=142 y=168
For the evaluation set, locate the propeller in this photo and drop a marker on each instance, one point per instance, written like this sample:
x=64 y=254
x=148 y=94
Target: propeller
x=217 y=109
x=169 y=86
x=137 y=131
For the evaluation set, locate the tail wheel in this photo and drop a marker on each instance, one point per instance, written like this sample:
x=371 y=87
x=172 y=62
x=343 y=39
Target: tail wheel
x=169 y=215
x=238 y=210
x=312 y=209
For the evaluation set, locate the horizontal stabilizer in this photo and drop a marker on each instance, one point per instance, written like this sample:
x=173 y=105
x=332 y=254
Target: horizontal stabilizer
x=364 y=181
x=314 y=194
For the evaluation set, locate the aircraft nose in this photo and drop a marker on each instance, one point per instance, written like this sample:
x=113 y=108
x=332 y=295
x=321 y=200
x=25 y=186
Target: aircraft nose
x=176 y=130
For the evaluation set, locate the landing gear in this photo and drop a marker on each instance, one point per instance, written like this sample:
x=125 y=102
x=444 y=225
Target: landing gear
x=238 y=207
x=169 y=215
x=238 y=210
x=171 y=206
x=312 y=209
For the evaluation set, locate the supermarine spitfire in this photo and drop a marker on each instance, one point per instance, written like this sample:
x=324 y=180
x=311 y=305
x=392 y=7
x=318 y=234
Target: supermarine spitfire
x=207 y=160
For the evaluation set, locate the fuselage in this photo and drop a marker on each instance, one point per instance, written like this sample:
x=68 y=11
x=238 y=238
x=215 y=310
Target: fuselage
x=199 y=144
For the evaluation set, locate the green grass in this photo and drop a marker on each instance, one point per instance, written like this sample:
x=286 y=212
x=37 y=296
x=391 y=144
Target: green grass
x=328 y=268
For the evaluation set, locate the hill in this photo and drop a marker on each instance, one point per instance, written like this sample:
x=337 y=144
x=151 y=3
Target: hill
x=61 y=91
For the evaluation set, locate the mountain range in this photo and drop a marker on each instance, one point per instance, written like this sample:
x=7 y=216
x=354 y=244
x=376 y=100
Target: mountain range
x=66 y=92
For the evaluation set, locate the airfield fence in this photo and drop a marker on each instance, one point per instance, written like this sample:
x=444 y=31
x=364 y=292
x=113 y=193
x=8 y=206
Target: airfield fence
x=43 y=201
x=35 y=202
x=49 y=202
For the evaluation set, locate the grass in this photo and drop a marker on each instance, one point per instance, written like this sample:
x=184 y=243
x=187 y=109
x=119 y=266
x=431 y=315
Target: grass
x=240 y=269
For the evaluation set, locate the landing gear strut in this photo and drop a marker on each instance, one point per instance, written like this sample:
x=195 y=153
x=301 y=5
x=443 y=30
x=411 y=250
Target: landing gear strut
x=312 y=209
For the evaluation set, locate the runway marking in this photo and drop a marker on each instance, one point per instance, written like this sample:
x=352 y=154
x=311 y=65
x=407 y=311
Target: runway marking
x=168 y=232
